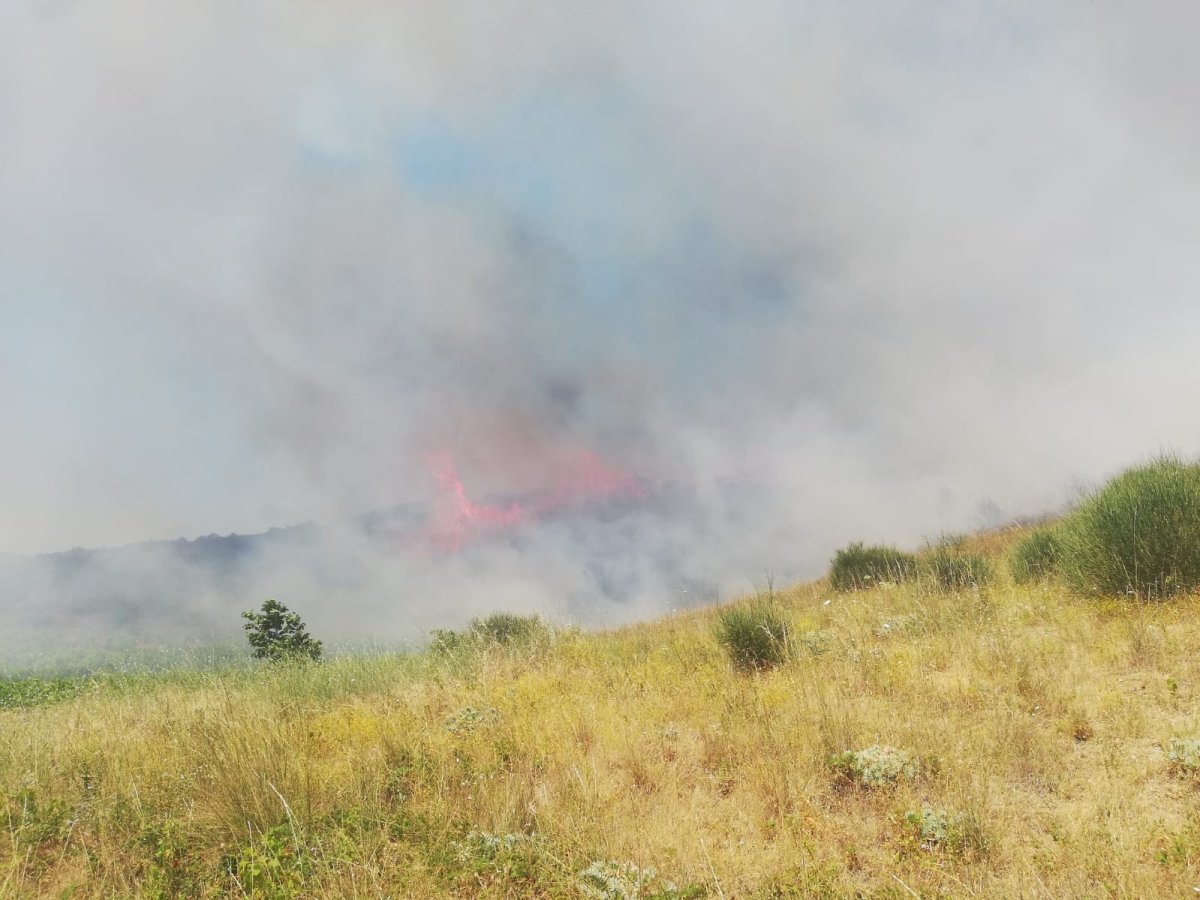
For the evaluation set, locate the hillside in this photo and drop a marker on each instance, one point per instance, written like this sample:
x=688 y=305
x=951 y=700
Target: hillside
x=1040 y=727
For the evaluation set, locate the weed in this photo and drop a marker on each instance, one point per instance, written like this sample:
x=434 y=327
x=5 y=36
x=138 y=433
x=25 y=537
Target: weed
x=1183 y=755
x=1139 y=535
x=610 y=880
x=754 y=634
x=950 y=831
x=1036 y=556
x=859 y=566
x=873 y=767
x=952 y=567
x=275 y=866
x=470 y=718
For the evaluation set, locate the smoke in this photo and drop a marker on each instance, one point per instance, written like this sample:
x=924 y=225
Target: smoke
x=825 y=271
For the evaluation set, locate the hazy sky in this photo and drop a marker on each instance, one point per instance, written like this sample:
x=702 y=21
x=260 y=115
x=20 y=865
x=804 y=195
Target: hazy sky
x=891 y=259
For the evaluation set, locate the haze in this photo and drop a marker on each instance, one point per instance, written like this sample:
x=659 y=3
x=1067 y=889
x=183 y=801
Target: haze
x=902 y=266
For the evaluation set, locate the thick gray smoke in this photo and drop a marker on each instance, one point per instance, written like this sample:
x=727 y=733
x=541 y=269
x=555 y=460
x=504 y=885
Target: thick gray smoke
x=828 y=271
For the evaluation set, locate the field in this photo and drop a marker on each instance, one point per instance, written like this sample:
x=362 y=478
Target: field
x=1045 y=743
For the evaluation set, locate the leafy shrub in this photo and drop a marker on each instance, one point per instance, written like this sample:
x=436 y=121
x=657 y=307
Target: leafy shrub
x=275 y=865
x=1183 y=754
x=952 y=567
x=1036 y=556
x=513 y=857
x=1139 y=534
x=507 y=628
x=875 y=767
x=954 y=832
x=609 y=880
x=276 y=633
x=858 y=566
x=469 y=718
x=497 y=630
x=817 y=642
x=755 y=635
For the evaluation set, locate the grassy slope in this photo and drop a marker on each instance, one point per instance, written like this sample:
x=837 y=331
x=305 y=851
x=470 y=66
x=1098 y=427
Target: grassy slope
x=1042 y=717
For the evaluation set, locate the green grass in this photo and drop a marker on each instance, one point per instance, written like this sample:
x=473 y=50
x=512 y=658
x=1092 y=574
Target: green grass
x=859 y=566
x=1138 y=535
x=754 y=634
x=1036 y=556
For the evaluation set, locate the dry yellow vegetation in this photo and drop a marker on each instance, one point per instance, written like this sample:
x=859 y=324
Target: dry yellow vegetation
x=573 y=765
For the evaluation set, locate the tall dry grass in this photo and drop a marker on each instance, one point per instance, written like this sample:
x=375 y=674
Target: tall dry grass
x=1040 y=722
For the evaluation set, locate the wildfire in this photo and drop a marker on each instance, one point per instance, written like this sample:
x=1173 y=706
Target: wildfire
x=457 y=519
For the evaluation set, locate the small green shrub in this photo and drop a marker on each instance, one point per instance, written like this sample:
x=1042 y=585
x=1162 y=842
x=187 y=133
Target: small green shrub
x=469 y=718
x=755 y=635
x=859 y=566
x=952 y=567
x=497 y=630
x=1183 y=754
x=513 y=857
x=607 y=879
x=1036 y=556
x=275 y=865
x=817 y=642
x=954 y=832
x=1138 y=535
x=874 y=767
x=507 y=628
x=276 y=633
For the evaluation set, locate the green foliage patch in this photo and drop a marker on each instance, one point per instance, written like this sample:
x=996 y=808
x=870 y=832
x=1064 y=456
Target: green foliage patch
x=754 y=634
x=1139 y=535
x=952 y=567
x=1036 y=556
x=860 y=566
x=877 y=766
x=276 y=633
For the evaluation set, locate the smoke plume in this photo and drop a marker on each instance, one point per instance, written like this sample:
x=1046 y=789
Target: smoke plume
x=812 y=272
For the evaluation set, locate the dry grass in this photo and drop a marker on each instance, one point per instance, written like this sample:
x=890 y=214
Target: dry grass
x=1040 y=719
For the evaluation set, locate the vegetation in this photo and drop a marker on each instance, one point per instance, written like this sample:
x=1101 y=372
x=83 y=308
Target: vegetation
x=1036 y=556
x=754 y=634
x=1139 y=535
x=952 y=566
x=497 y=630
x=917 y=742
x=875 y=766
x=276 y=633
x=859 y=566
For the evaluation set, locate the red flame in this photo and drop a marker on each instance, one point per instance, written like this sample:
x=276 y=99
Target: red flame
x=457 y=519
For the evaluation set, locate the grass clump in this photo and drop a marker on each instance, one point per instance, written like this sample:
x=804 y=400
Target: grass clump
x=755 y=635
x=1138 y=535
x=859 y=566
x=1036 y=557
x=873 y=767
x=951 y=566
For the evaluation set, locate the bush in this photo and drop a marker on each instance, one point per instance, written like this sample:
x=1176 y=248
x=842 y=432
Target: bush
x=1183 y=755
x=951 y=831
x=858 y=566
x=875 y=767
x=755 y=635
x=498 y=629
x=507 y=628
x=276 y=633
x=1139 y=534
x=952 y=567
x=1036 y=556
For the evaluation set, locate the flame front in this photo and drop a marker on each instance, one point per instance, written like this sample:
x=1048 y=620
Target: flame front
x=457 y=519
